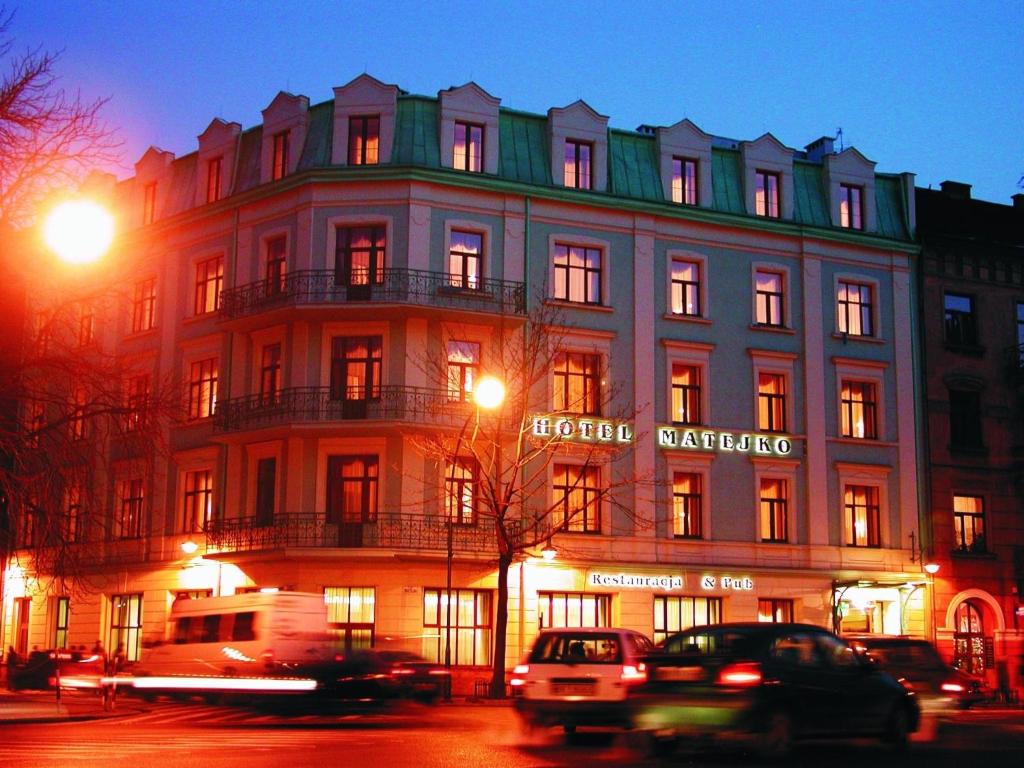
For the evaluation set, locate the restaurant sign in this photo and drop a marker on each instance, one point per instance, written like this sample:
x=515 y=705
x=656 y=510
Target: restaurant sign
x=635 y=580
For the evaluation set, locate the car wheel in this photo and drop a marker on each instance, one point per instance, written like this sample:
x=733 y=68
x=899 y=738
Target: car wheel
x=897 y=729
x=775 y=742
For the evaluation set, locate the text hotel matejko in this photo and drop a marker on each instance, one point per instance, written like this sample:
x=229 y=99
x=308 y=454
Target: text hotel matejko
x=684 y=438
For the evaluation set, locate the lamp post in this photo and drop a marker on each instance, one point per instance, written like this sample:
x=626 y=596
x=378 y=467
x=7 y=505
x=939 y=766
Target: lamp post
x=489 y=393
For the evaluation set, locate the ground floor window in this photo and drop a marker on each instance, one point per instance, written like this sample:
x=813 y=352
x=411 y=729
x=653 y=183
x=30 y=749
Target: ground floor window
x=61 y=619
x=675 y=613
x=350 y=615
x=469 y=633
x=126 y=624
x=193 y=594
x=775 y=609
x=573 y=609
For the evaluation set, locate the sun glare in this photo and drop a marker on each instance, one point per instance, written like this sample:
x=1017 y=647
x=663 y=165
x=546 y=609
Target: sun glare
x=79 y=231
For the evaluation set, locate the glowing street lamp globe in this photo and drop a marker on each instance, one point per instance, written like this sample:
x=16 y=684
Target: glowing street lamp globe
x=79 y=231
x=489 y=393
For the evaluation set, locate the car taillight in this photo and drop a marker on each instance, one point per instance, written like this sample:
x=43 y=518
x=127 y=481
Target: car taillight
x=633 y=674
x=953 y=688
x=268 y=658
x=401 y=671
x=740 y=675
x=516 y=680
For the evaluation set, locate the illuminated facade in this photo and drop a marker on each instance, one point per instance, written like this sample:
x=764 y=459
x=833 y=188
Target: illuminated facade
x=747 y=305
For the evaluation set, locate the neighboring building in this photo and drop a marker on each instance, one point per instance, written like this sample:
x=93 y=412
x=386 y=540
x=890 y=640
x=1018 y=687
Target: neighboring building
x=749 y=304
x=972 y=324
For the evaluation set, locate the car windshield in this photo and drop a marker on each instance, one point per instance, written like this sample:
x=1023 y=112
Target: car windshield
x=577 y=648
x=712 y=643
x=908 y=656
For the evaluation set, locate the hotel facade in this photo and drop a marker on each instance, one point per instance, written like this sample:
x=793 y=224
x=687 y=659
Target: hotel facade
x=735 y=319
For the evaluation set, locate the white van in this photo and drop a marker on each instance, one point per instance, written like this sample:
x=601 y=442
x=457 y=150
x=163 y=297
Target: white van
x=249 y=635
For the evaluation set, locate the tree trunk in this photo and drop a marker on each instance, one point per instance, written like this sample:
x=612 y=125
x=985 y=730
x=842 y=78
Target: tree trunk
x=501 y=629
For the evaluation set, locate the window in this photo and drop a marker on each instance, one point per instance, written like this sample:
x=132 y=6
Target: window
x=213 y=180
x=775 y=610
x=76 y=414
x=144 y=305
x=861 y=516
x=577 y=498
x=961 y=325
x=769 y=298
x=858 y=410
x=469 y=147
x=685 y=394
x=766 y=194
x=578 y=383
x=277 y=264
x=197 y=510
x=675 y=613
x=279 y=167
x=686 y=505
x=136 y=402
x=355 y=367
x=851 y=206
x=266 y=490
x=352 y=491
x=209 y=281
x=965 y=420
x=573 y=609
x=363 y=140
x=854 y=309
x=126 y=624
x=771 y=402
x=202 y=389
x=774 y=510
x=61 y=620
x=463 y=369
x=72 y=524
x=685 y=288
x=461 y=481
x=359 y=255
x=149 y=203
x=130 y=498
x=577 y=274
x=969 y=641
x=466 y=623
x=969 y=523
x=684 y=180
x=350 y=616
x=22 y=615
x=464 y=259
x=270 y=375
x=577 y=163
x=27 y=533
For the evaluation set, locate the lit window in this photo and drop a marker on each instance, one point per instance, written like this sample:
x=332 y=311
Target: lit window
x=854 y=302
x=685 y=394
x=460 y=490
x=469 y=147
x=130 y=499
x=76 y=414
x=685 y=288
x=149 y=203
x=137 y=393
x=144 y=305
x=270 y=375
x=769 y=298
x=969 y=523
x=851 y=206
x=465 y=253
x=72 y=527
x=774 y=510
x=684 y=180
x=359 y=255
x=364 y=140
x=766 y=194
x=126 y=625
x=686 y=505
x=578 y=383
x=577 y=498
x=356 y=367
x=775 y=610
x=463 y=369
x=209 y=282
x=771 y=402
x=279 y=167
x=202 y=389
x=197 y=510
x=573 y=609
x=858 y=410
x=577 y=274
x=677 y=613
x=277 y=264
x=350 y=616
x=861 y=516
x=62 y=618
x=577 y=164
x=960 y=320
x=213 y=180
x=463 y=627
x=352 y=485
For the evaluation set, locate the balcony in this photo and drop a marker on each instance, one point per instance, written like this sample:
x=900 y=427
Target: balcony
x=299 y=405
x=388 y=531
x=395 y=286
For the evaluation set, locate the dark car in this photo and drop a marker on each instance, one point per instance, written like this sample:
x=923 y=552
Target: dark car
x=380 y=675
x=39 y=670
x=916 y=663
x=768 y=685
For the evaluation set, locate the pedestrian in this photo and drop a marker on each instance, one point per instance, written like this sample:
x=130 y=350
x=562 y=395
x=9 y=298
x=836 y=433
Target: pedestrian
x=118 y=659
x=12 y=663
x=97 y=650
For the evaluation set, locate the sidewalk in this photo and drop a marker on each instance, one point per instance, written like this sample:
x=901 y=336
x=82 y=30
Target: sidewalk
x=41 y=707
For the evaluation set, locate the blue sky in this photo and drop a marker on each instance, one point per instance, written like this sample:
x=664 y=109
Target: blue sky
x=928 y=87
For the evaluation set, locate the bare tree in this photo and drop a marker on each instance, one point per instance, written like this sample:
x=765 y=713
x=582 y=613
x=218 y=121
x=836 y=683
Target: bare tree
x=507 y=455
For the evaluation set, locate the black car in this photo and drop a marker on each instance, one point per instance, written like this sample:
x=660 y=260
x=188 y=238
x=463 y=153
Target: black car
x=381 y=675
x=768 y=685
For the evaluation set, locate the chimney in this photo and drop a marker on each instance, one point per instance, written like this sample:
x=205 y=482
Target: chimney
x=1018 y=201
x=956 y=189
x=646 y=130
x=818 y=148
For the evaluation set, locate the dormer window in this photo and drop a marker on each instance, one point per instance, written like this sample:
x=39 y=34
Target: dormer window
x=280 y=158
x=851 y=206
x=149 y=203
x=577 y=164
x=364 y=140
x=684 y=180
x=213 y=168
x=766 y=194
x=469 y=147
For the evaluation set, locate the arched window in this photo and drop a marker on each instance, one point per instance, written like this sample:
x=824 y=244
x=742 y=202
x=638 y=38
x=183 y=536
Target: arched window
x=969 y=639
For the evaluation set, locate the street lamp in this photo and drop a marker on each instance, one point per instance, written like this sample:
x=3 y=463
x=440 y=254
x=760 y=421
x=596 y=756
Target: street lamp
x=79 y=231
x=489 y=393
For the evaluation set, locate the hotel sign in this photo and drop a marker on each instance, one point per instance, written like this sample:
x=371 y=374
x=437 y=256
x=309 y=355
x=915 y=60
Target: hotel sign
x=583 y=429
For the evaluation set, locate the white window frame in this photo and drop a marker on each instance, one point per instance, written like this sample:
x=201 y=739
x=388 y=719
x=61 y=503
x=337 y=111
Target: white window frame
x=694 y=354
x=672 y=255
x=476 y=228
x=572 y=239
x=873 y=476
x=871 y=372
x=787 y=316
x=873 y=284
x=767 y=361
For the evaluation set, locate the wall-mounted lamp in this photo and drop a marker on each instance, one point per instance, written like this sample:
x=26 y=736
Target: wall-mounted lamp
x=189 y=547
x=549 y=553
x=931 y=568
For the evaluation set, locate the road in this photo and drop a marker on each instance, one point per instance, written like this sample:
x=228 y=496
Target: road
x=175 y=735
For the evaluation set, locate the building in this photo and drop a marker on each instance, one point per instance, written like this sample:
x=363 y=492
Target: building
x=972 y=321
x=743 y=310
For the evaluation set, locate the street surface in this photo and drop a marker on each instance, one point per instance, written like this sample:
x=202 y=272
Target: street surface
x=192 y=735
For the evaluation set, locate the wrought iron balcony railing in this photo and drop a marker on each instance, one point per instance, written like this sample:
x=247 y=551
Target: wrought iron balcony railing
x=387 y=531
x=320 y=404
x=393 y=285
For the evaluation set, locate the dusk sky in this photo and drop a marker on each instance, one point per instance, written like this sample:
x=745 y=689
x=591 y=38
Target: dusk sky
x=928 y=87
